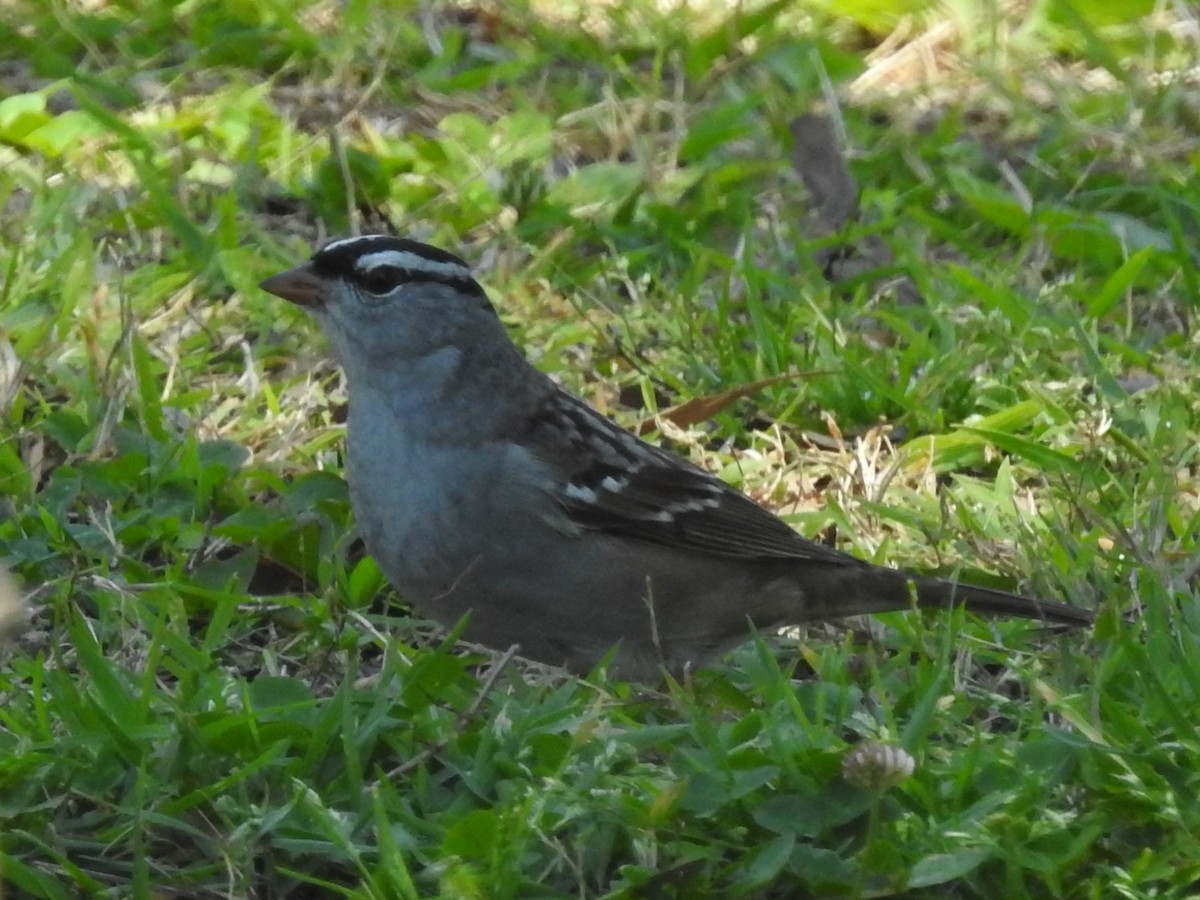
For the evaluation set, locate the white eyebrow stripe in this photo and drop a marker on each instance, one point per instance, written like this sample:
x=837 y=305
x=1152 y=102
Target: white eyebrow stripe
x=332 y=245
x=410 y=262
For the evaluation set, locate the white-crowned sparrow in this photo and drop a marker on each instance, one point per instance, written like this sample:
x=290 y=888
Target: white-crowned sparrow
x=483 y=487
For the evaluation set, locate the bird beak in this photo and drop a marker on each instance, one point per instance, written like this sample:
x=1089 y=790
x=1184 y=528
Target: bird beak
x=299 y=285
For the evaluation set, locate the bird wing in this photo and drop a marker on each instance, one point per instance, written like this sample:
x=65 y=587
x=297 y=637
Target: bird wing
x=608 y=480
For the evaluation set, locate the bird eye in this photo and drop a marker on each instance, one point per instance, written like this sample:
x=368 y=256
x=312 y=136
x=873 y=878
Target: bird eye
x=381 y=280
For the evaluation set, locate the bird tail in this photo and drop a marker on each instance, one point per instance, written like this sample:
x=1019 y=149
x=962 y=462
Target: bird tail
x=937 y=594
x=851 y=590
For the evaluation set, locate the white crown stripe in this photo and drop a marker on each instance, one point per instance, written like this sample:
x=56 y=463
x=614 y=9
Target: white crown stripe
x=410 y=262
x=333 y=245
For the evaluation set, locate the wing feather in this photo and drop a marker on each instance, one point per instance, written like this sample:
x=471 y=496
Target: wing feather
x=611 y=481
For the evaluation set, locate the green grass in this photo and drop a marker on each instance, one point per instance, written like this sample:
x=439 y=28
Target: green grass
x=218 y=695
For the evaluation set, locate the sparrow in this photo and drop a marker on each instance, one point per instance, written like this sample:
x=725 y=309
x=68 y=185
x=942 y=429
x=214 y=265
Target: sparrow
x=485 y=490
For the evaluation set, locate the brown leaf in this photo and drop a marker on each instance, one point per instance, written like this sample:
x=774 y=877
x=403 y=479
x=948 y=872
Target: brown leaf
x=821 y=165
x=14 y=617
x=701 y=409
x=818 y=160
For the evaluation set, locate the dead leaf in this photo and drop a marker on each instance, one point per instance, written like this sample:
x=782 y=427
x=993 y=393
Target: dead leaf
x=13 y=615
x=701 y=409
x=821 y=165
x=10 y=375
x=818 y=160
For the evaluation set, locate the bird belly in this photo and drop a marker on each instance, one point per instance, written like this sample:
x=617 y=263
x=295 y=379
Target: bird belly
x=448 y=559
